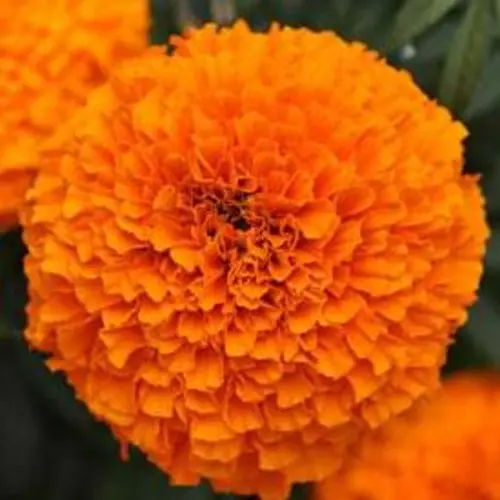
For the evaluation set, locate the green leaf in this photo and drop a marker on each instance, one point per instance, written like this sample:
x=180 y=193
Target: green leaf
x=138 y=479
x=340 y=9
x=416 y=16
x=369 y=22
x=12 y=282
x=118 y=482
x=464 y=354
x=496 y=8
x=466 y=57
x=482 y=329
x=223 y=11
x=59 y=399
x=162 y=22
x=301 y=492
x=492 y=261
x=434 y=44
x=241 y=5
x=487 y=93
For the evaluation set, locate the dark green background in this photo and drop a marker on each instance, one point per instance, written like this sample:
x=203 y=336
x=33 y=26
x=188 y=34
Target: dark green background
x=50 y=447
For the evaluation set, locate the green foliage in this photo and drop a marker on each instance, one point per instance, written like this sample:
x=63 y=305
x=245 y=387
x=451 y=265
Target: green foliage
x=467 y=56
x=496 y=6
x=415 y=17
x=451 y=47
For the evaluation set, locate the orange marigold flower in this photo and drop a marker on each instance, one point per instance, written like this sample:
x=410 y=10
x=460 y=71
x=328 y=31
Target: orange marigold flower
x=448 y=449
x=52 y=54
x=258 y=245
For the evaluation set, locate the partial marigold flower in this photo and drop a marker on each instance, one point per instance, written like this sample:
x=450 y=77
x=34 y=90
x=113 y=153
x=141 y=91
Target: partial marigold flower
x=52 y=54
x=444 y=449
x=251 y=250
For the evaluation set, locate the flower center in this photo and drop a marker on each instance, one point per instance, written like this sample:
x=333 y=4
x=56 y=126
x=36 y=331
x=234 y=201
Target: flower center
x=233 y=213
x=231 y=206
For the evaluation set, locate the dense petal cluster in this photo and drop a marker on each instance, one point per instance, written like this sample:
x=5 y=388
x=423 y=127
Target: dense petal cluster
x=52 y=54
x=446 y=450
x=259 y=245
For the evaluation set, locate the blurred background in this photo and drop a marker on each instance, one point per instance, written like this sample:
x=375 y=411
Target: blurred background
x=50 y=447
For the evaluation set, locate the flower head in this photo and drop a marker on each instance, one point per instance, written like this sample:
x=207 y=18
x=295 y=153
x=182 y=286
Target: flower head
x=258 y=245
x=448 y=449
x=52 y=54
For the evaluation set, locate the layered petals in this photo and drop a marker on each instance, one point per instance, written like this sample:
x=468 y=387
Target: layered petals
x=52 y=55
x=266 y=241
x=447 y=448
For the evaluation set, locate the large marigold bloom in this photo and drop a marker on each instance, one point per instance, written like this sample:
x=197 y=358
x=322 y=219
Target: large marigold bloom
x=258 y=245
x=52 y=54
x=448 y=449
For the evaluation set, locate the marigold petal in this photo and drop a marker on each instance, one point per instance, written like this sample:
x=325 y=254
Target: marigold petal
x=76 y=346
x=363 y=381
x=121 y=344
x=239 y=342
x=191 y=326
x=61 y=308
x=210 y=428
x=316 y=219
x=201 y=402
x=182 y=358
x=304 y=317
x=317 y=465
x=354 y=200
x=116 y=395
x=292 y=389
x=242 y=417
x=250 y=391
x=278 y=455
x=168 y=235
x=286 y=419
x=188 y=258
x=208 y=371
x=224 y=451
x=329 y=410
x=341 y=310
